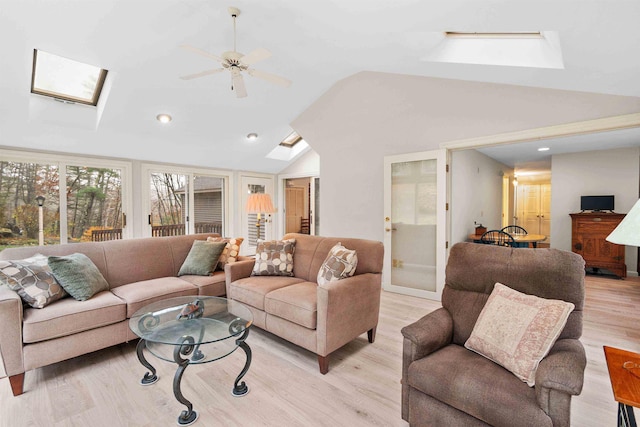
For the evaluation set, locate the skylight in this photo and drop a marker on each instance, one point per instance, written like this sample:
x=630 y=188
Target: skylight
x=536 y=49
x=66 y=79
x=292 y=139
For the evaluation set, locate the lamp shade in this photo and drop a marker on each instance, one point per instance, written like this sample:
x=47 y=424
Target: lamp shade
x=259 y=203
x=628 y=231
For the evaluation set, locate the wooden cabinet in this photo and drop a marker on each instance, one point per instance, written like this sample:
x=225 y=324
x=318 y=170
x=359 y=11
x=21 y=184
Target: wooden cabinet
x=588 y=234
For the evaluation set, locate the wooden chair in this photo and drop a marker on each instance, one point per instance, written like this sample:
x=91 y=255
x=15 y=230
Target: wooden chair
x=497 y=237
x=304 y=226
x=516 y=229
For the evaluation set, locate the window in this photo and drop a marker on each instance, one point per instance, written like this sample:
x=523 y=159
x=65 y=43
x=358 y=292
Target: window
x=66 y=79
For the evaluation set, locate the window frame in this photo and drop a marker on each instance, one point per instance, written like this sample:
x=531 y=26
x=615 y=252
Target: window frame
x=102 y=76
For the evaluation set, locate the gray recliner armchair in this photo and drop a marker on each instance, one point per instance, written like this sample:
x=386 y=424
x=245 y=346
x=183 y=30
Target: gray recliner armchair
x=444 y=384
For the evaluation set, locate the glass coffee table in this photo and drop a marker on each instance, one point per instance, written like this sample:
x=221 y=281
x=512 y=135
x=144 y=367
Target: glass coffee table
x=189 y=330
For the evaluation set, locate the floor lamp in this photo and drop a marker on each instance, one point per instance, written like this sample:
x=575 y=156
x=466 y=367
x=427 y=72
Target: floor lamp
x=259 y=203
x=628 y=231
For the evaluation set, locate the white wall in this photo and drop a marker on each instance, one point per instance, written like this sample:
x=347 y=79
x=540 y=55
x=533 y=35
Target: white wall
x=476 y=193
x=368 y=116
x=307 y=165
x=592 y=173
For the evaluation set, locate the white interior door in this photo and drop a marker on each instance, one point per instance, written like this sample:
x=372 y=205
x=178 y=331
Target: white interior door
x=415 y=187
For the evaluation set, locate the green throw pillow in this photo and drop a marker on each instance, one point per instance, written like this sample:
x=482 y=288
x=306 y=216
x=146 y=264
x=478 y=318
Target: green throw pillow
x=78 y=275
x=202 y=259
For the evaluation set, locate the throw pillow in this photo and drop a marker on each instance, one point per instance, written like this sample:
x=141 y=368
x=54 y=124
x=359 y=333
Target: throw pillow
x=231 y=251
x=274 y=258
x=33 y=280
x=517 y=330
x=340 y=263
x=202 y=258
x=78 y=275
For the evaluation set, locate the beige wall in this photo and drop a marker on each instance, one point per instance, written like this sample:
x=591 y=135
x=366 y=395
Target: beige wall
x=476 y=193
x=592 y=173
x=368 y=116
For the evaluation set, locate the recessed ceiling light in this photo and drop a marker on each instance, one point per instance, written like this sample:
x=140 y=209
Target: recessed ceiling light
x=163 y=118
x=252 y=136
x=543 y=149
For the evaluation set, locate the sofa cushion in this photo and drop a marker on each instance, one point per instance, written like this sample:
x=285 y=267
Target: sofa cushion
x=492 y=394
x=274 y=258
x=231 y=251
x=297 y=303
x=252 y=290
x=78 y=275
x=339 y=263
x=69 y=316
x=138 y=294
x=202 y=258
x=213 y=285
x=32 y=279
x=517 y=330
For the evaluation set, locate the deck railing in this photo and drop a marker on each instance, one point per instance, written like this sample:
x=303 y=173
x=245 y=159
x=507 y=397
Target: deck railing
x=158 y=231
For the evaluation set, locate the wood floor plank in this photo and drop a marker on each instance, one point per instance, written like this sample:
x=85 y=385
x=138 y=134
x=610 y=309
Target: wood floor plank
x=362 y=387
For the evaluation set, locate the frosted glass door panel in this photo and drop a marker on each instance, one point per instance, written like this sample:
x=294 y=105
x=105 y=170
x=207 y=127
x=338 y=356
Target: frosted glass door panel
x=413 y=213
x=415 y=220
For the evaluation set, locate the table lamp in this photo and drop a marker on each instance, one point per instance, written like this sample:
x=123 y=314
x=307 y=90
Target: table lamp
x=628 y=231
x=259 y=203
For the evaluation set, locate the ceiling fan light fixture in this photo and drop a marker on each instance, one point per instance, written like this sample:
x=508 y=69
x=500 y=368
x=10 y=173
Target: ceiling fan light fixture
x=164 y=118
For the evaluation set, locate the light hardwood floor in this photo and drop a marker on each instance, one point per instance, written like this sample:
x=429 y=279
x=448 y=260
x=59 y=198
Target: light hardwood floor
x=362 y=387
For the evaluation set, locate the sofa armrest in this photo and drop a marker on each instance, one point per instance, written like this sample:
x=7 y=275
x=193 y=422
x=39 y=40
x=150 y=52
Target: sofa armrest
x=562 y=369
x=11 y=360
x=238 y=270
x=429 y=334
x=346 y=309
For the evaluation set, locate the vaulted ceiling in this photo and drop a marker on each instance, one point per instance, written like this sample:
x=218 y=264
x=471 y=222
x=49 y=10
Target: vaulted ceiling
x=314 y=44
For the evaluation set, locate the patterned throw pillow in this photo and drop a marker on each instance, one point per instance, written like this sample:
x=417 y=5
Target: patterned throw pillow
x=517 y=331
x=230 y=253
x=340 y=263
x=274 y=258
x=33 y=280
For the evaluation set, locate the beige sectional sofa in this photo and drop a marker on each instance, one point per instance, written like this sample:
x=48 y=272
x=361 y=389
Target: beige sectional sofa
x=139 y=271
x=320 y=318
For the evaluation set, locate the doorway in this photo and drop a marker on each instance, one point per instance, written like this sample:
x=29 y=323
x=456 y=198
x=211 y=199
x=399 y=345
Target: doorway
x=301 y=196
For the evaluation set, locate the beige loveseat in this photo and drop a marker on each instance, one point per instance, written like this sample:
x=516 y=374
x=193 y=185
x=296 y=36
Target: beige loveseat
x=319 y=318
x=139 y=271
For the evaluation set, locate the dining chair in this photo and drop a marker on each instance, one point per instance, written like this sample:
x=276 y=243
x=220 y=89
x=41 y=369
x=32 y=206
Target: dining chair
x=517 y=230
x=514 y=229
x=497 y=237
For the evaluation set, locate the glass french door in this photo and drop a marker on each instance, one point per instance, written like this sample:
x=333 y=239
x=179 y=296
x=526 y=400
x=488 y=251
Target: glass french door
x=169 y=204
x=415 y=223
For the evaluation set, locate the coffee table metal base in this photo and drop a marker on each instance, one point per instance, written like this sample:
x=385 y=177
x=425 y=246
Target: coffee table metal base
x=188 y=346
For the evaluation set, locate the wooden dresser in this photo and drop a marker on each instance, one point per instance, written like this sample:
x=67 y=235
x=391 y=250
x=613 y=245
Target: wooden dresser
x=588 y=234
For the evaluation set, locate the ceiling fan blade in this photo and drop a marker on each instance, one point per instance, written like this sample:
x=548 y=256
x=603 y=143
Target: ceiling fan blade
x=238 y=84
x=255 y=56
x=280 y=81
x=201 y=74
x=202 y=52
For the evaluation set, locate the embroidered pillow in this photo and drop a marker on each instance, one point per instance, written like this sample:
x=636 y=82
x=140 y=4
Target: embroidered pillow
x=517 y=330
x=340 y=263
x=231 y=251
x=202 y=258
x=78 y=275
x=33 y=280
x=274 y=258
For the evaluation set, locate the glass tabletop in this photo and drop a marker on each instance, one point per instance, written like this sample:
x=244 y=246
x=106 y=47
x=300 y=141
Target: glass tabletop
x=211 y=323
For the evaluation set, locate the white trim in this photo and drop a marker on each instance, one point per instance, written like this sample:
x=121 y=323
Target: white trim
x=568 y=129
x=280 y=190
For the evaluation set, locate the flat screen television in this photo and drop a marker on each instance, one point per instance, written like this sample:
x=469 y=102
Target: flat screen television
x=597 y=203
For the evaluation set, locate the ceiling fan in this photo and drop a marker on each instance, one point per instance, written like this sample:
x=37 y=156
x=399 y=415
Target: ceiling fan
x=237 y=63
